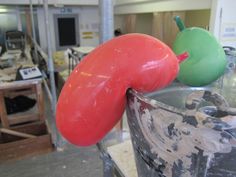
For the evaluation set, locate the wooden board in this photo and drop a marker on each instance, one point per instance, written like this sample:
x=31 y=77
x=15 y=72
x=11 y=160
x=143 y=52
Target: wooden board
x=3 y=111
x=20 y=84
x=14 y=147
x=16 y=133
x=123 y=156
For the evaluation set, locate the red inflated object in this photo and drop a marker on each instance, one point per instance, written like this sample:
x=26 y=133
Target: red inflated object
x=93 y=98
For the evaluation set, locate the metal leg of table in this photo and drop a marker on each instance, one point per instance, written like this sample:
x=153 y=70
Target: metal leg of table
x=107 y=162
x=107 y=166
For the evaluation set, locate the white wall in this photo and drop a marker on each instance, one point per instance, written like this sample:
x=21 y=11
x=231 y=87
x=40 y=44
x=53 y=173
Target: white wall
x=88 y=22
x=146 y=6
x=223 y=21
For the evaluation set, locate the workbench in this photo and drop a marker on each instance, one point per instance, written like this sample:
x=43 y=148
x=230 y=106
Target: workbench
x=26 y=133
x=8 y=74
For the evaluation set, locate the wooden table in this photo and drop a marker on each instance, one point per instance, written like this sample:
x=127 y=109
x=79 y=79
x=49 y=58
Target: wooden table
x=22 y=134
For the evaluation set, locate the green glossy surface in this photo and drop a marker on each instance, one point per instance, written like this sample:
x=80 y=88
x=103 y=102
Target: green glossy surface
x=179 y=23
x=206 y=62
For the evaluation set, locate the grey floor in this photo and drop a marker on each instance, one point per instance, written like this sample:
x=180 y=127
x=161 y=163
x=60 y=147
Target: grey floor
x=72 y=162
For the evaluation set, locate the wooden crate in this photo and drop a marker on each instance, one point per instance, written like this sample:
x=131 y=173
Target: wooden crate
x=26 y=87
x=15 y=147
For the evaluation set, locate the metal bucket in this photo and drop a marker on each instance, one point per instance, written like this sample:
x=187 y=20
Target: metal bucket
x=182 y=132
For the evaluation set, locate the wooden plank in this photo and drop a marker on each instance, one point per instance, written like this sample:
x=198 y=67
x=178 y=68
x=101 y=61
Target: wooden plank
x=130 y=23
x=21 y=148
x=5 y=147
x=27 y=147
x=16 y=119
x=1 y=138
x=16 y=133
x=16 y=87
x=19 y=84
x=3 y=112
x=157 y=25
x=167 y=19
x=40 y=101
x=35 y=128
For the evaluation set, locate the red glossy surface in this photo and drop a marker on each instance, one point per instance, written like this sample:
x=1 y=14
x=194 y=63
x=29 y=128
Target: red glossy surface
x=93 y=98
x=183 y=56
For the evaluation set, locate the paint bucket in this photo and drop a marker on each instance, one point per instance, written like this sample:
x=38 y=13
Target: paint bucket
x=182 y=132
x=228 y=80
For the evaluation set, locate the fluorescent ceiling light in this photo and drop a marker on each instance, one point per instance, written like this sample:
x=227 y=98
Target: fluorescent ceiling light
x=59 y=5
x=3 y=10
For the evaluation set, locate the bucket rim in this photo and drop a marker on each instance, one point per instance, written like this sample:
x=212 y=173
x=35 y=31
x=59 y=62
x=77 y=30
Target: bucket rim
x=146 y=97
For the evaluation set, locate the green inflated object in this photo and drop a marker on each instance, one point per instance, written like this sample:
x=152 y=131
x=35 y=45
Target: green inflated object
x=207 y=60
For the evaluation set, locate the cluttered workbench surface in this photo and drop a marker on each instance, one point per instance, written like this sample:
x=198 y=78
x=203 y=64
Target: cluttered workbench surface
x=19 y=59
x=11 y=62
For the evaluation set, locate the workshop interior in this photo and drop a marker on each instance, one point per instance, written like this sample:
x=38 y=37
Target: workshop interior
x=114 y=88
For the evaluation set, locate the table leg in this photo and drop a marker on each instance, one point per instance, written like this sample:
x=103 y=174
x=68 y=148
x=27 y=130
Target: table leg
x=107 y=162
x=3 y=112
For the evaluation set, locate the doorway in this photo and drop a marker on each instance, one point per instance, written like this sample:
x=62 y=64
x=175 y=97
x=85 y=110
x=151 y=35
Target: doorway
x=66 y=30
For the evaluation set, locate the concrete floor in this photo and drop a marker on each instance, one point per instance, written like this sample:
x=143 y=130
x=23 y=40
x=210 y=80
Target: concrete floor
x=72 y=162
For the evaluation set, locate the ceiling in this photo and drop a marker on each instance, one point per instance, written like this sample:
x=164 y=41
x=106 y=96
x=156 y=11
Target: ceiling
x=72 y=2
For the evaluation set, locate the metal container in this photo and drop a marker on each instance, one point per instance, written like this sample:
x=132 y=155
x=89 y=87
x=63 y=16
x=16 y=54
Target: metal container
x=229 y=78
x=182 y=132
